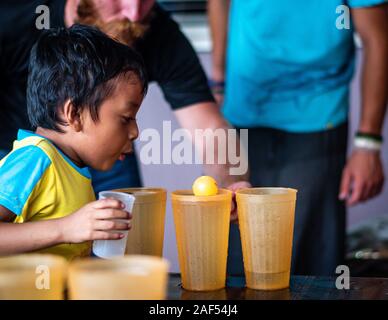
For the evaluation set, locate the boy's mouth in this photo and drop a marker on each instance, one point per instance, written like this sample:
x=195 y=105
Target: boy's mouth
x=123 y=155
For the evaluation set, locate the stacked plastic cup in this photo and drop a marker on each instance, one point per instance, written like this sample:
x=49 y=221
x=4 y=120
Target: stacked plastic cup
x=148 y=220
x=32 y=277
x=126 y=278
x=202 y=231
x=266 y=222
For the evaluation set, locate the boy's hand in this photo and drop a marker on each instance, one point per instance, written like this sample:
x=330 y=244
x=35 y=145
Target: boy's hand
x=91 y=222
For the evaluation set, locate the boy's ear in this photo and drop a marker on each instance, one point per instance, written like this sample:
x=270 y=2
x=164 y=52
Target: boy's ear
x=72 y=116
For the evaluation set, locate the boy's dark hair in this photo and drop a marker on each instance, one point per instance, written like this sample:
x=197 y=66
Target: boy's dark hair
x=81 y=64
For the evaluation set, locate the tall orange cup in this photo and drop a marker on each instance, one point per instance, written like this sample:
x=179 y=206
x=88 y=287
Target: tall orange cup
x=266 y=222
x=32 y=277
x=148 y=219
x=202 y=232
x=132 y=277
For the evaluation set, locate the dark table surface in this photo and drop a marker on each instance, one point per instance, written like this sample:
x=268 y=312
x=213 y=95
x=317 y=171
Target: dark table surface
x=301 y=288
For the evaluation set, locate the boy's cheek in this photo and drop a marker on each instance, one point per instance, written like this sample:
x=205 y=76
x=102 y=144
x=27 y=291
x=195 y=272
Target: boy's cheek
x=102 y=164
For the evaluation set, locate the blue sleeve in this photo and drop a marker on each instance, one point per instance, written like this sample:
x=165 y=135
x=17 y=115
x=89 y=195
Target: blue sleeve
x=365 y=3
x=20 y=171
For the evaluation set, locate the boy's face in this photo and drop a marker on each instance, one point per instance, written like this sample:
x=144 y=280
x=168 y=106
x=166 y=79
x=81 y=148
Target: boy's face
x=111 y=137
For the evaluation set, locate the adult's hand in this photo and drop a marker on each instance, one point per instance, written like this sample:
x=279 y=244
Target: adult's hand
x=234 y=187
x=362 y=177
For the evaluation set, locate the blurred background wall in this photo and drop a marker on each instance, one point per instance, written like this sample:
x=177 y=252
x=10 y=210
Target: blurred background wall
x=155 y=110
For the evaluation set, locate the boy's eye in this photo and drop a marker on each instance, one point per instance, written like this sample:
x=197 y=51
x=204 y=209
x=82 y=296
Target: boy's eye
x=127 y=119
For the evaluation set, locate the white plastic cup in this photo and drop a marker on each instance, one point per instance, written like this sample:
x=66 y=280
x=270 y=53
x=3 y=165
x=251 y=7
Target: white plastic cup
x=108 y=249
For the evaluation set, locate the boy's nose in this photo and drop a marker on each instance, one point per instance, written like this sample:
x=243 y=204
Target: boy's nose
x=133 y=133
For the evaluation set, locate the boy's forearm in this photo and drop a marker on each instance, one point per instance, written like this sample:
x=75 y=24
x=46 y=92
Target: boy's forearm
x=17 y=238
x=218 y=13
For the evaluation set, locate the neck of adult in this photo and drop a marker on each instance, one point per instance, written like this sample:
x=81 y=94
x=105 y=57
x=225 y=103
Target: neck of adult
x=70 y=13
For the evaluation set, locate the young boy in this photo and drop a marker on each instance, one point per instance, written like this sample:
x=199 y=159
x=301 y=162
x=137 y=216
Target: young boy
x=84 y=90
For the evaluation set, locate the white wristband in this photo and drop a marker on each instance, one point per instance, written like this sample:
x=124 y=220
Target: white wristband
x=366 y=143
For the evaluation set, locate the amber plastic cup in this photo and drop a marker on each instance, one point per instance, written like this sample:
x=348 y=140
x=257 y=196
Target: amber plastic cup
x=204 y=295
x=266 y=222
x=132 y=277
x=148 y=220
x=202 y=232
x=32 y=277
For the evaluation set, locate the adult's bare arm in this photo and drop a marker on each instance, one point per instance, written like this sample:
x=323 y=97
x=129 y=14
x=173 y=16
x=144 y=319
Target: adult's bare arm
x=206 y=115
x=363 y=175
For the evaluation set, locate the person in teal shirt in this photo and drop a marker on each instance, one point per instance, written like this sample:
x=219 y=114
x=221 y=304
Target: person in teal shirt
x=287 y=66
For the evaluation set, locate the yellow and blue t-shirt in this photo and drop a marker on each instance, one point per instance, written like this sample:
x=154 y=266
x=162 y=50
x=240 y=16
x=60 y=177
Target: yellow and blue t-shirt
x=39 y=182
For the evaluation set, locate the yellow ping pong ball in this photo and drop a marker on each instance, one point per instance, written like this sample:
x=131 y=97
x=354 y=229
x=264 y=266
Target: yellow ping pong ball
x=205 y=186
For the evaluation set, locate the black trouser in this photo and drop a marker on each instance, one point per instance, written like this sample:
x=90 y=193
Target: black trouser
x=313 y=164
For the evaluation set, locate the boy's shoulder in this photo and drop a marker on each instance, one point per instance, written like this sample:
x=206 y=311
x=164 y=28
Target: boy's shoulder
x=31 y=148
x=29 y=159
x=28 y=151
x=20 y=172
